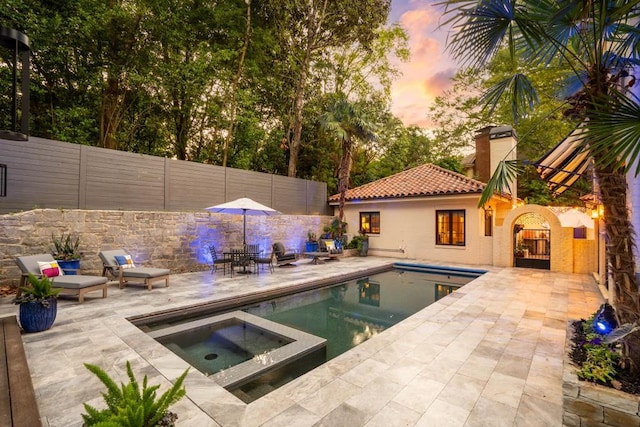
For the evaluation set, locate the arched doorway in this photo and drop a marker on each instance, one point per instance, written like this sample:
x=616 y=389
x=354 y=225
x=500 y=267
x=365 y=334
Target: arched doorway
x=532 y=242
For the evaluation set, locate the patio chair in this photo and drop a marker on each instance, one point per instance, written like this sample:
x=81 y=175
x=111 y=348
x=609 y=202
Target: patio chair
x=262 y=261
x=119 y=265
x=282 y=256
x=78 y=284
x=216 y=261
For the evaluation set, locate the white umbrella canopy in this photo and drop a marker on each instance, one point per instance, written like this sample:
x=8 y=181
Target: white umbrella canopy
x=575 y=219
x=243 y=206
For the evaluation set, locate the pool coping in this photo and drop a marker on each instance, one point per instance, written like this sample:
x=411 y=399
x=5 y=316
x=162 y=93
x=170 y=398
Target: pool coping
x=301 y=343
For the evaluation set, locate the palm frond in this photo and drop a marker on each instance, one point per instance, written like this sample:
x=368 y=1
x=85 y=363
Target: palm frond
x=480 y=29
x=613 y=132
x=502 y=179
x=521 y=94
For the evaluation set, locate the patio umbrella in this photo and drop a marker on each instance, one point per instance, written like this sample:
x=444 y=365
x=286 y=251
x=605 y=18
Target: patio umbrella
x=575 y=219
x=243 y=206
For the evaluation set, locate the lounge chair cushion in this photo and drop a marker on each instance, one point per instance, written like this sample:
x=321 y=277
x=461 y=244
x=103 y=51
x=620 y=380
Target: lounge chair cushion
x=77 y=281
x=145 y=272
x=281 y=256
x=278 y=249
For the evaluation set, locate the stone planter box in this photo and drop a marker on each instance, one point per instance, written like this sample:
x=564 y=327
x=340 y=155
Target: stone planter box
x=349 y=252
x=589 y=404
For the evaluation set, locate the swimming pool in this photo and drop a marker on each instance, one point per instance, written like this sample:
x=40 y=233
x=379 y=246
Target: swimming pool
x=339 y=317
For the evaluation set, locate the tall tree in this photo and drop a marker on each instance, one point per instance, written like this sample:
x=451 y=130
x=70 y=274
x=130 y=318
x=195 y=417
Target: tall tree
x=600 y=39
x=347 y=123
x=310 y=27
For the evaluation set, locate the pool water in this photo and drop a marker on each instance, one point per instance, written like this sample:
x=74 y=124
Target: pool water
x=345 y=315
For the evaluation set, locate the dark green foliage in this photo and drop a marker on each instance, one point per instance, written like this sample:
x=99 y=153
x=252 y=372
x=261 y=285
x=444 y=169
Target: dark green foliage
x=65 y=248
x=129 y=405
x=40 y=291
x=601 y=358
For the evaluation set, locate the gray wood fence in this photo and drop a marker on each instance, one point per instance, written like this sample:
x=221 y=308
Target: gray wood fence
x=42 y=173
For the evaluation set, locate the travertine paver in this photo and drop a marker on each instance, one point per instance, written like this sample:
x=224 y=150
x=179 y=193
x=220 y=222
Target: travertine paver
x=493 y=347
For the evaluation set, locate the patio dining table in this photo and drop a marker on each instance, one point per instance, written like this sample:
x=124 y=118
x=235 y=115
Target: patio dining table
x=242 y=257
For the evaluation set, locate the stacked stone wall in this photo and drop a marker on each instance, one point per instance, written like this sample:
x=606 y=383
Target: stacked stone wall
x=175 y=240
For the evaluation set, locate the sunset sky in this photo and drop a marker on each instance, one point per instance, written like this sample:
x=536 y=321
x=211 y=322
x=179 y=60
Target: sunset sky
x=427 y=73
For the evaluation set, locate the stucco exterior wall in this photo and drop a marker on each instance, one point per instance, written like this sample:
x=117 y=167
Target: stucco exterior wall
x=408 y=229
x=567 y=254
x=175 y=240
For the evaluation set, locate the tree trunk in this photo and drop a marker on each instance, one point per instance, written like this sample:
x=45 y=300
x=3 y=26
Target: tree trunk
x=315 y=20
x=343 y=175
x=234 y=89
x=613 y=191
x=108 y=121
x=298 y=105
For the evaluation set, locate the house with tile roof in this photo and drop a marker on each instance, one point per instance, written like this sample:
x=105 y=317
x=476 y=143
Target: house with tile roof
x=428 y=212
x=432 y=213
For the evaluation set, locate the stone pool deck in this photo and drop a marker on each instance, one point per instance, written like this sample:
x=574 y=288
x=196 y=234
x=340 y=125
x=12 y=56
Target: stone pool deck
x=490 y=354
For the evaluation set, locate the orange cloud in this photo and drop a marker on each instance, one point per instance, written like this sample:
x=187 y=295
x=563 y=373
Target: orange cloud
x=429 y=69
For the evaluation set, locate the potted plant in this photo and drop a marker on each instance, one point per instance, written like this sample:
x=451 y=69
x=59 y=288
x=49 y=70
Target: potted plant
x=520 y=250
x=65 y=251
x=130 y=405
x=38 y=304
x=363 y=243
x=335 y=230
x=311 y=245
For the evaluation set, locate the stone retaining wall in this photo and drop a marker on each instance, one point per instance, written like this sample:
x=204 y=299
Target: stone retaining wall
x=589 y=404
x=175 y=240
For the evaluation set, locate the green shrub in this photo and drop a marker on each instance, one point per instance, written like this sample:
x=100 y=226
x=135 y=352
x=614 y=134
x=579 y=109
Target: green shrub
x=128 y=406
x=602 y=358
x=40 y=291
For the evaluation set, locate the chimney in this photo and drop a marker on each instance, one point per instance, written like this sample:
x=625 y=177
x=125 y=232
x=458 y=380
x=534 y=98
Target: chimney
x=494 y=144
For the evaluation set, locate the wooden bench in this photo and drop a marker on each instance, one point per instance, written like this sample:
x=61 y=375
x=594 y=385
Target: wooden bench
x=18 y=406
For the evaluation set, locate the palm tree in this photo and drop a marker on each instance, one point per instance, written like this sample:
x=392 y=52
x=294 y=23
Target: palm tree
x=346 y=121
x=600 y=40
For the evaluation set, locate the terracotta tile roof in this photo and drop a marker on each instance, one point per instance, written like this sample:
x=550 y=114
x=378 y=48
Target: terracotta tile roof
x=424 y=180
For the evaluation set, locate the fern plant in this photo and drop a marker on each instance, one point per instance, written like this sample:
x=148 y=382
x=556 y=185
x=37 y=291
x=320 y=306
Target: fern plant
x=130 y=406
x=40 y=291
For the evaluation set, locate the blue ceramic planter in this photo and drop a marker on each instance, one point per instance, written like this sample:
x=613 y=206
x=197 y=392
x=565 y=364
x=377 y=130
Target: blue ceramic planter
x=70 y=267
x=35 y=317
x=311 y=246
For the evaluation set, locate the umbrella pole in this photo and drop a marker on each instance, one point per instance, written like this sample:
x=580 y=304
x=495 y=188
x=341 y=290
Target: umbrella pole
x=244 y=229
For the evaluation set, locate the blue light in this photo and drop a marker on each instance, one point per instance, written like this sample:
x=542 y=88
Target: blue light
x=602 y=327
x=605 y=320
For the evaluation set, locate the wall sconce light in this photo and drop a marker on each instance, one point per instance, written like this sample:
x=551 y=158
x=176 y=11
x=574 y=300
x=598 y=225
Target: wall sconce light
x=597 y=212
x=488 y=222
x=3 y=180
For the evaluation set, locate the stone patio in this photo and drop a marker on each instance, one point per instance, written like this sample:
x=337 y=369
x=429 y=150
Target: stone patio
x=488 y=355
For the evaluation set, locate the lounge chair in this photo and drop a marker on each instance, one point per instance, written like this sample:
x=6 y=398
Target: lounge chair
x=328 y=245
x=78 y=284
x=282 y=256
x=119 y=265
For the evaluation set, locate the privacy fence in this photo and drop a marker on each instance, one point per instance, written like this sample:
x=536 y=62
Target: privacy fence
x=42 y=173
